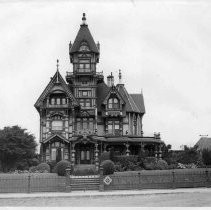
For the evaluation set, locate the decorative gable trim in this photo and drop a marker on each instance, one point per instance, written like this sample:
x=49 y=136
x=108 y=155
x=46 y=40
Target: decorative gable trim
x=56 y=135
x=57 y=83
x=113 y=90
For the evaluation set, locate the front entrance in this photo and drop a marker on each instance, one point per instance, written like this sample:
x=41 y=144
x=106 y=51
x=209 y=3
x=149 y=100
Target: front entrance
x=85 y=157
x=84 y=153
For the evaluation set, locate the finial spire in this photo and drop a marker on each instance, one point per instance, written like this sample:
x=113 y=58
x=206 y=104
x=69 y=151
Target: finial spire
x=57 y=64
x=84 y=19
x=57 y=71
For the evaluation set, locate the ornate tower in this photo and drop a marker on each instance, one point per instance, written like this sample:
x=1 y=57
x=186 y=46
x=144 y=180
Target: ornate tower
x=84 y=56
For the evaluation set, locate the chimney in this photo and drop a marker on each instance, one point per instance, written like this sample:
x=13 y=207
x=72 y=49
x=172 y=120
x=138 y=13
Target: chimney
x=112 y=79
x=120 y=77
x=109 y=81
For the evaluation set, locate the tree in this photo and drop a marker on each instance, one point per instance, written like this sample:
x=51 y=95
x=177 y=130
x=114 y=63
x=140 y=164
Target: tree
x=189 y=155
x=17 y=147
x=206 y=156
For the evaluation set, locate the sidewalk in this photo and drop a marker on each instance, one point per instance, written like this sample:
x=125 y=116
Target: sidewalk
x=76 y=194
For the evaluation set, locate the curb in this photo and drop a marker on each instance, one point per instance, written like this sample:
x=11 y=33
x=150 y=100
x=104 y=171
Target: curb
x=98 y=194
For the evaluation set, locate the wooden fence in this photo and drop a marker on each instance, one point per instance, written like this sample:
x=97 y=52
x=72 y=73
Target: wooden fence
x=158 y=179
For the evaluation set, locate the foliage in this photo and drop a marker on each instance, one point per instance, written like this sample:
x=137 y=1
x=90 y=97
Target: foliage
x=33 y=169
x=127 y=163
x=105 y=156
x=61 y=166
x=184 y=166
x=161 y=165
x=43 y=167
x=189 y=155
x=52 y=165
x=112 y=154
x=206 y=156
x=108 y=167
x=150 y=163
x=16 y=147
x=33 y=162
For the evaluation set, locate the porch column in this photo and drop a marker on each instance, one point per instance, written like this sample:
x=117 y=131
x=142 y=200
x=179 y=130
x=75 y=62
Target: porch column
x=73 y=122
x=49 y=151
x=104 y=147
x=127 y=150
x=73 y=155
x=141 y=148
x=70 y=151
x=96 y=157
x=156 y=151
x=160 y=152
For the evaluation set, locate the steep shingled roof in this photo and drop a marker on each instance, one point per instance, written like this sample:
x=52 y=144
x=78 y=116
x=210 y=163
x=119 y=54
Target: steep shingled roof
x=139 y=101
x=130 y=104
x=84 y=35
x=102 y=92
x=204 y=143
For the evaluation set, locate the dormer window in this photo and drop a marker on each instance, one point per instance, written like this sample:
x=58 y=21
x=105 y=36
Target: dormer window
x=84 y=47
x=113 y=103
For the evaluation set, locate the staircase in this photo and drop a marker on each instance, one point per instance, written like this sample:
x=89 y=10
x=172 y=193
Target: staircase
x=84 y=182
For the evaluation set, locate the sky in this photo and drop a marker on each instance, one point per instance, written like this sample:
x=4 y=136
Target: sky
x=162 y=47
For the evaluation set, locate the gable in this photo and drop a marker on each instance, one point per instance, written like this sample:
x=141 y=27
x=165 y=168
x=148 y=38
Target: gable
x=56 y=85
x=114 y=91
x=130 y=104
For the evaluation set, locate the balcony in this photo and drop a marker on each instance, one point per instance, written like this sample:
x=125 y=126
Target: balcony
x=57 y=106
x=84 y=132
x=113 y=113
x=113 y=133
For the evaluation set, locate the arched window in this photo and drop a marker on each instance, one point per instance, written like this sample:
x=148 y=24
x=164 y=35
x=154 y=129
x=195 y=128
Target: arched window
x=63 y=100
x=113 y=103
x=53 y=101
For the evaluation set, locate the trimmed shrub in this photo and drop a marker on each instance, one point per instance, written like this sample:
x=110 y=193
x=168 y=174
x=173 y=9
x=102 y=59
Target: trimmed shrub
x=61 y=166
x=149 y=163
x=33 y=169
x=105 y=156
x=161 y=165
x=173 y=166
x=108 y=167
x=43 y=167
x=118 y=167
x=124 y=158
x=33 y=162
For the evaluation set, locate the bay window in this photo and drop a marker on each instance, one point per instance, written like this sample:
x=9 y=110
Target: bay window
x=114 y=127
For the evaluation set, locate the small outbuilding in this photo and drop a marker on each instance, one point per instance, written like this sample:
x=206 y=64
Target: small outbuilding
x=204 y=143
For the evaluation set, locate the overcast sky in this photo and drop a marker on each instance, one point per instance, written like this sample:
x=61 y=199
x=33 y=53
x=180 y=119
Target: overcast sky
x=162 y=47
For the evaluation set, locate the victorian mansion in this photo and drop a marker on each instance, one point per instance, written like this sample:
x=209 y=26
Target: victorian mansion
x=84 y=115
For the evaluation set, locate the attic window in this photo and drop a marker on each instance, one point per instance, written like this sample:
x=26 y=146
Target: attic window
x=113 y=103
x=84 y=47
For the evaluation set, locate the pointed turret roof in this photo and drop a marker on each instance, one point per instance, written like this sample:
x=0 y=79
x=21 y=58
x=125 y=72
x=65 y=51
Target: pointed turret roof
x=84 y=35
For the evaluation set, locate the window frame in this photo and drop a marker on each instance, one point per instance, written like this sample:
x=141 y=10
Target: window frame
x=113 y=103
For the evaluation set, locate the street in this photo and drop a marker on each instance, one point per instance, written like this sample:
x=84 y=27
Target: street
x=197 y=199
